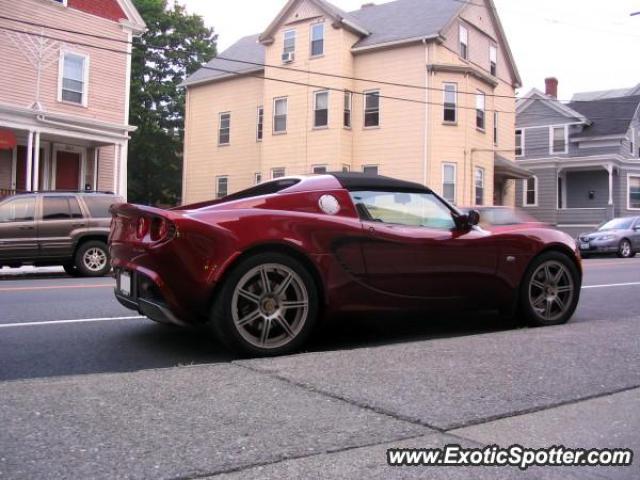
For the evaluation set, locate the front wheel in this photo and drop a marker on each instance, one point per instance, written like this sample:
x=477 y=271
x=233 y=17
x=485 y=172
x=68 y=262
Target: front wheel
x=92 y=259
x=267 y=306
x=624 y=249
x=550 y=290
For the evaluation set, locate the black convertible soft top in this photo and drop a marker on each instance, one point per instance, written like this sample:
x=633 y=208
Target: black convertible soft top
x=353 y=181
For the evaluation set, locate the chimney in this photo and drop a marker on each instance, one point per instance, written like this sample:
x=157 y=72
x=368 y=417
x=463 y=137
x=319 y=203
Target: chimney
x=551 y=86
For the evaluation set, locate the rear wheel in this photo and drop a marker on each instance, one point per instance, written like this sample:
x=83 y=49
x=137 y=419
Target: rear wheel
x=92 y=259
x=624 y=249
x=550 y=290
x=267 y=306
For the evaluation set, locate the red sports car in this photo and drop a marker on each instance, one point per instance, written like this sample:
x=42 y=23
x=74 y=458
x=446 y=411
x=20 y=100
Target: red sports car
x=264 y=265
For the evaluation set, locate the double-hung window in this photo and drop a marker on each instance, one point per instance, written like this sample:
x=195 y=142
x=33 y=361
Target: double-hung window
x=370 y=169
x=493 y=60
x=348 y=102
x=289 y=45
x=450 y=103
x=317 y=39
x=280 y=108
x=260 y=124
x=321 y=109
x=372 y=108
x=74 y=75
x=633 y=198
x=449 y=181
x=519 y=143
x=258 y=178
x=320 y=169
x=277 y=172
x=222 y=186
x=495 y=128
x=530 y=192
x=558 y=139
x=480 y=106
x=224 y=129
x=464 y=42
x=479 y=184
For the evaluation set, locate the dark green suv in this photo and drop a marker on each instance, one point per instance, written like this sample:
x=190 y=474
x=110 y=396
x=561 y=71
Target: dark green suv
x=57 y=228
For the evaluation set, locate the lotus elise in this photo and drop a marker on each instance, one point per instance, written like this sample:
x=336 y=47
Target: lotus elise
x=263 y=266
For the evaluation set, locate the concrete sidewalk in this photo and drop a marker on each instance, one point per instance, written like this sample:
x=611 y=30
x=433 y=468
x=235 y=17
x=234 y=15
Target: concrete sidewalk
x=332 y=415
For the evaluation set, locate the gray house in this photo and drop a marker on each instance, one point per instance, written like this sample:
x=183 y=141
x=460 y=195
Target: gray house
x=583 y=155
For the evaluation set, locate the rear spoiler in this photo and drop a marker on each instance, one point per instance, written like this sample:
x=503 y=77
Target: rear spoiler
x=130 y=210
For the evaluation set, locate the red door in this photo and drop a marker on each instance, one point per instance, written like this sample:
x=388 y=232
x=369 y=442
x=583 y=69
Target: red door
x=67 y=170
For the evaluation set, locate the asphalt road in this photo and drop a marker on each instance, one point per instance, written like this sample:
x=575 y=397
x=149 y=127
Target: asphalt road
x=90 y=390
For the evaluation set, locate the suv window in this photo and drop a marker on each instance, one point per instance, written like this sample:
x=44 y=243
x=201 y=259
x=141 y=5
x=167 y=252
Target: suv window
x=60 y=208
x=99 y=205
x=18 y=210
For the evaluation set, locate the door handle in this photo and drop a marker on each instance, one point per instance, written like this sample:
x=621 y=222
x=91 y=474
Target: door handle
x=26 y=228
x=76 y=225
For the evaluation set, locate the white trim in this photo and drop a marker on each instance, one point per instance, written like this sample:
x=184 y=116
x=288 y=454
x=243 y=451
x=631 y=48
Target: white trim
x=127 y=86
x=395 y=43
x=315 y=107
x=347 y=94
x=365 y=94
x=36 y=161
x=524 y=102
x=462 y=28
x=14 y=168
x=552 y=138
x=95 y=168
x=220 y=114
x=284 y=40
x=455 y=101
x=629 y=175
x=29 y=159
x=86 y=65
x=217 y=192
x=455 y=180
x=255 y=178
x=311 y=28
x=273 y=116
x=535 y=191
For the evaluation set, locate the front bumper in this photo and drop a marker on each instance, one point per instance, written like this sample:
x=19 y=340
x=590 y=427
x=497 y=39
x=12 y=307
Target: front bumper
x=595 y=246
x=145 y=298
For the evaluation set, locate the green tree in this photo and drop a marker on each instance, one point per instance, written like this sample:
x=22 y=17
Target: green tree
x=175 y=45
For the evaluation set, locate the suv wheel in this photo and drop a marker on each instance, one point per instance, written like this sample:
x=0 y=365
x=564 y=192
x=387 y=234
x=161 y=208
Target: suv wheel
x=92 y=259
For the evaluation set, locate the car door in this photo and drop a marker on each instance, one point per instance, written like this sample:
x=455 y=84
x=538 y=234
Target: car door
x=415 y=250
x=61 y=215
x=636 y=235
x=18 y=230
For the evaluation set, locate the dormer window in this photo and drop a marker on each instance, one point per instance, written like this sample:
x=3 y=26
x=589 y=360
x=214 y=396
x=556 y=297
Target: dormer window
x=317 y=39
x=289 y=46
x=464 y=42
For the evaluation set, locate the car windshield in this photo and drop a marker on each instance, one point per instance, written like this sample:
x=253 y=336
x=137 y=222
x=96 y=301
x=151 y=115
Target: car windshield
x=617 y=224
x=403 y=208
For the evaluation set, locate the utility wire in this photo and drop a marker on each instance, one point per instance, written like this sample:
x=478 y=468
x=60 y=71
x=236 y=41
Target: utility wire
x=265 y=65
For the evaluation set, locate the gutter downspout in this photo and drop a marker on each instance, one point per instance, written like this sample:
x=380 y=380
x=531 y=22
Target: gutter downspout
x=425 y=152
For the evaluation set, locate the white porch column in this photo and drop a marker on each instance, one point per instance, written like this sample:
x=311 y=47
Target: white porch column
x=116 y=159
x=610 y=170
x=95 y=168
x=28 y=184
x=36 y=161
x=124 y=155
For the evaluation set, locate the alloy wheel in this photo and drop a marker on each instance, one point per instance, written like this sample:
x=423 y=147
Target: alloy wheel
x=270 y=306
x=94 y=259
x=551 y=290
x=625 y=249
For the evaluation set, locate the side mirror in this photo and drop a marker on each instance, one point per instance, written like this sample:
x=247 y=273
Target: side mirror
x=473 y=218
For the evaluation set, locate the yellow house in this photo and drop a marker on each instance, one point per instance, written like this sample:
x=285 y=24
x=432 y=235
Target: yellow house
x=422 y=90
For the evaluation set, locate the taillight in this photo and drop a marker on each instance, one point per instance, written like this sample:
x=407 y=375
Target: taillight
x=160 y=229
x=142 y=228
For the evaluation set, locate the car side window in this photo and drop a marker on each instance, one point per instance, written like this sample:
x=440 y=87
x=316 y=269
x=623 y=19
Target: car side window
x=99 y=205
x=403 y=208
x=60 y=208
x=18 y=210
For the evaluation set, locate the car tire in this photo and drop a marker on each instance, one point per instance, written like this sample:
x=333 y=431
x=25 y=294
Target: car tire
x=71 y=269
x=92 y=259
x=550 y=290
x=624 y=249
x=256 y=321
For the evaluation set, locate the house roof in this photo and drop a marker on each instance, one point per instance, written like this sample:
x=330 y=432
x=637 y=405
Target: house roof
x=247 y=49
x=611 y=116
x=404 y=19
x=378 y=25
x=535 y=95
x=604 y=94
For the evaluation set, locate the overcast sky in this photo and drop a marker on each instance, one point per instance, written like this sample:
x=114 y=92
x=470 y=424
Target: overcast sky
x=586 y=44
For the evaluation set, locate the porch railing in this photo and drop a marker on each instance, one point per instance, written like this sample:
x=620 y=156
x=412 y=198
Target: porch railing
x=7 y=192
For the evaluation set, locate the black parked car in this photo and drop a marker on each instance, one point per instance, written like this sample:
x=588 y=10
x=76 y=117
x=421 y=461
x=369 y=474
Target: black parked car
x=57 y=228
